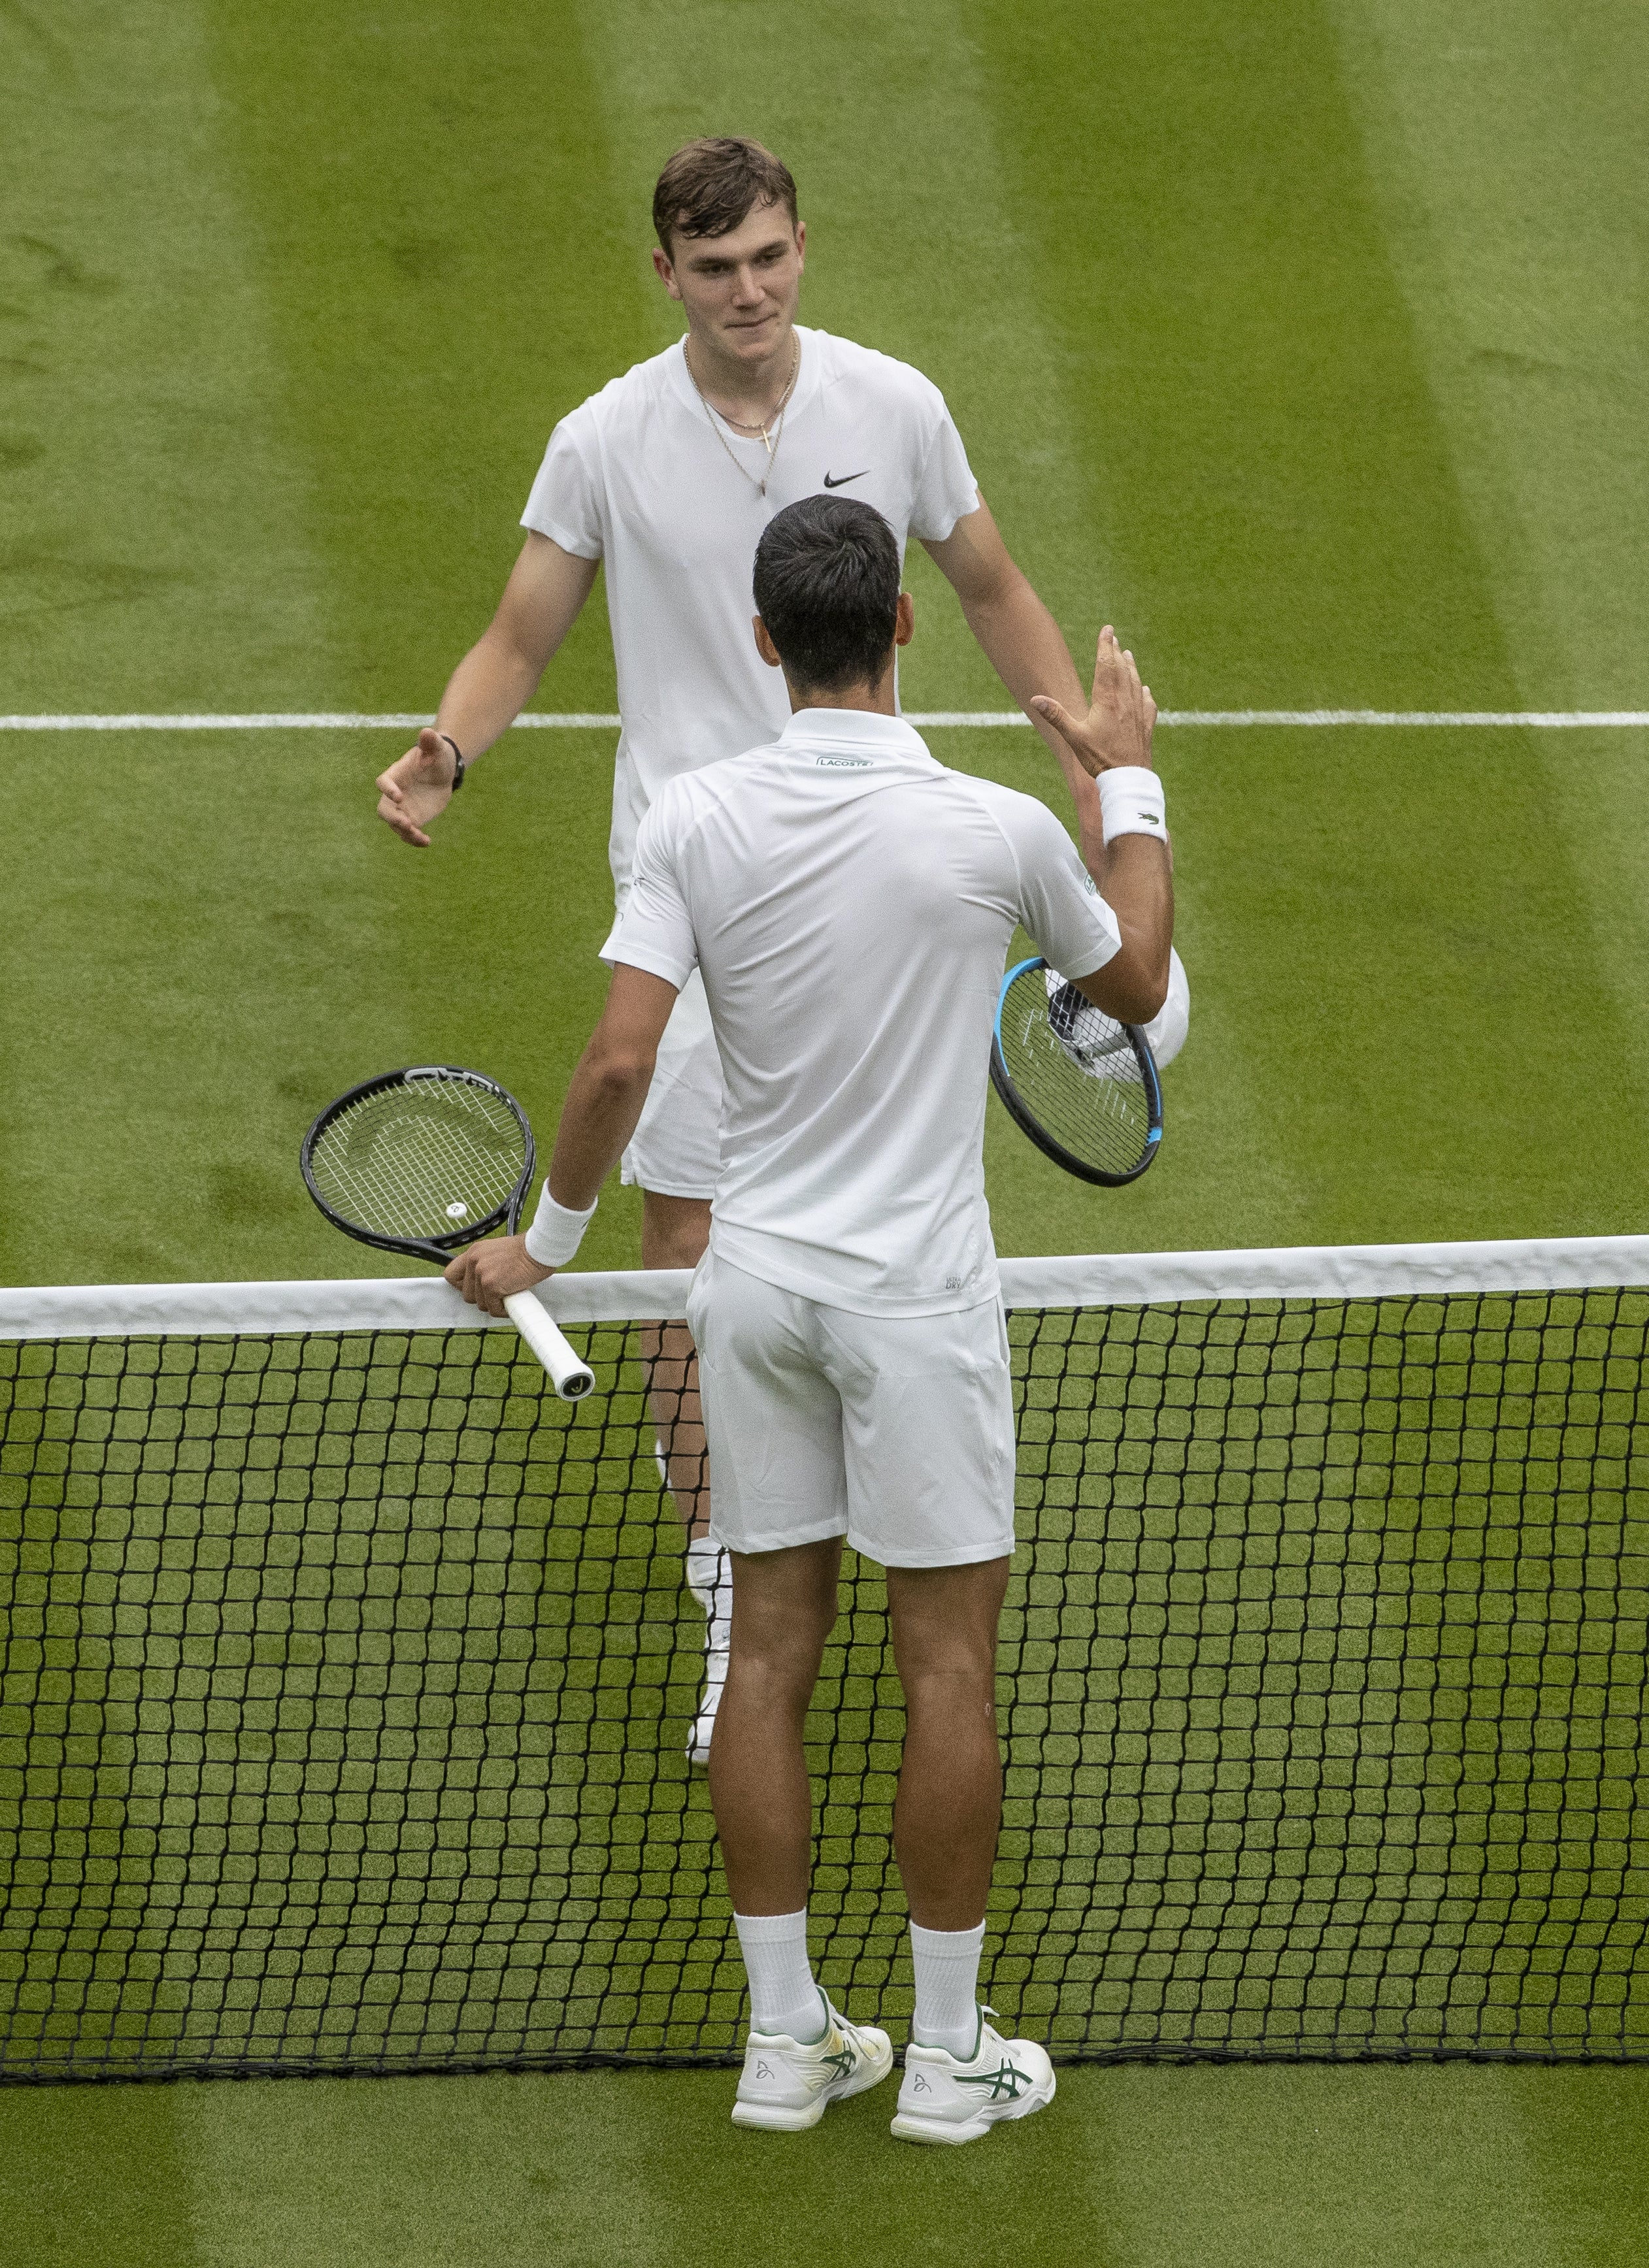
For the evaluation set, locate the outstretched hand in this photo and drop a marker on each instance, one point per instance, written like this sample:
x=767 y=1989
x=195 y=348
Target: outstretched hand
x=488 y=1272
x=417 y=788
x=1117 y=729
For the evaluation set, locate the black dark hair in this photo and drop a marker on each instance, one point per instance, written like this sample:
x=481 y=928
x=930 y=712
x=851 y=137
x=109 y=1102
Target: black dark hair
x=827 y=587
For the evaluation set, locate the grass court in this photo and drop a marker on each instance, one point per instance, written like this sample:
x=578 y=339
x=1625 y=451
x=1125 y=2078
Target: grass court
x=1304 y=342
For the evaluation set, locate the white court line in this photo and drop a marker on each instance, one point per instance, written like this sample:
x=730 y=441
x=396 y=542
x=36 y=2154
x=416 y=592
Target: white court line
x=331 y=721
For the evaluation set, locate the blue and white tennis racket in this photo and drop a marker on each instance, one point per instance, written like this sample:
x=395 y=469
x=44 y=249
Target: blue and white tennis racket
x=1082 y=1086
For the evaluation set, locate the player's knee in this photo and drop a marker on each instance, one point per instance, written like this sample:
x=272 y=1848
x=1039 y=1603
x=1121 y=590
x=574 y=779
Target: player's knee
x=774 y=1673
x=796 y=1632
x=781 y=1640
x=951 y=1688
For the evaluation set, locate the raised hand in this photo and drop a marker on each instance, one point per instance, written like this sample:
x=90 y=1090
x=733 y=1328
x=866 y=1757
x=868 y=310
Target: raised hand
x=417 y=788
x=1117 y=729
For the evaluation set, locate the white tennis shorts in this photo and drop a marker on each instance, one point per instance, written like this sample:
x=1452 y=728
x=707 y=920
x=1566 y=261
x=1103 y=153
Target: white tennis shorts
x=676 y=1150
x=894 y=1431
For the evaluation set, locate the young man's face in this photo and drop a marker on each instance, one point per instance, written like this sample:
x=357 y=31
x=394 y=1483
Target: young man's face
x=741 y=290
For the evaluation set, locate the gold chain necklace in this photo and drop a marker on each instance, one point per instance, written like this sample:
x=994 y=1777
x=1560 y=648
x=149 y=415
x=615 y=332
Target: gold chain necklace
x=717 y=422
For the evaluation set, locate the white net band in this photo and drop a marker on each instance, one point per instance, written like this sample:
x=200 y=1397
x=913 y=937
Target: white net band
x=1350 y=1272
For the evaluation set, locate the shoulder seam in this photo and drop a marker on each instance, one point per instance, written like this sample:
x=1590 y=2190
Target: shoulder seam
x=984 y=803
x=698 y=818
x=892 y=361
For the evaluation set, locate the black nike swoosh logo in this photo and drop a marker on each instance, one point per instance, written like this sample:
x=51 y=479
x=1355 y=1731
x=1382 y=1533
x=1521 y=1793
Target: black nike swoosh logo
x=846 y=477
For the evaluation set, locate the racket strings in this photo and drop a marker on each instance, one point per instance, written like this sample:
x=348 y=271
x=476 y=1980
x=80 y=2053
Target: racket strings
x=1075 y=1071
x=426 y=1160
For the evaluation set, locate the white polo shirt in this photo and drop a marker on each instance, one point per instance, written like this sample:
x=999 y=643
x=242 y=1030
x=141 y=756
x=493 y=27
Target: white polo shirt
x=850 y=902
x=638 y=476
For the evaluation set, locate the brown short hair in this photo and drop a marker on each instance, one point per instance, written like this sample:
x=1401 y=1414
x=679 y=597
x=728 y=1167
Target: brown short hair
x=710 y=186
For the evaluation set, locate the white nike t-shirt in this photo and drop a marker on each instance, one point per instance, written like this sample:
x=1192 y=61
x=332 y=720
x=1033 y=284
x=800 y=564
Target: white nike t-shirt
x=849 y=904
x=638 y=476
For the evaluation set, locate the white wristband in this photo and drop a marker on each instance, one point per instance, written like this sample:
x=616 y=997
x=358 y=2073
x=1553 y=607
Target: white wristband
x=557 y=1231
x=1131 y=803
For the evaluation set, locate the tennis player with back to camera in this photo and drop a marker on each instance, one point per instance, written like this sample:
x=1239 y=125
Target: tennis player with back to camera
x=848 y=903
x=667 y=476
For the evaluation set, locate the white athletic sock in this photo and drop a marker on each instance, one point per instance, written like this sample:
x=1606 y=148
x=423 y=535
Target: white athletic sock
x=947 y=1961
x=783 y=1995
x=710 y=1580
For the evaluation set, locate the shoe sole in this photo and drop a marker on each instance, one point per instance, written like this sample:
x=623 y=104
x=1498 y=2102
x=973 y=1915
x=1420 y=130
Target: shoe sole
x=781 y=2118
x=777 y=2118
x=910 y=2127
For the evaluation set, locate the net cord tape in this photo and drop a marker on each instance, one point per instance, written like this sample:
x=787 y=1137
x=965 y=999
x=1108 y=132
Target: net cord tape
x=1353 y=1271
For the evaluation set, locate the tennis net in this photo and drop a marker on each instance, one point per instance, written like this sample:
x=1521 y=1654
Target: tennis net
x=346 y=1676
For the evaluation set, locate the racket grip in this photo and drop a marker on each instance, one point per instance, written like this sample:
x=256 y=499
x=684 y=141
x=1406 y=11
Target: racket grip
x=569 y=1373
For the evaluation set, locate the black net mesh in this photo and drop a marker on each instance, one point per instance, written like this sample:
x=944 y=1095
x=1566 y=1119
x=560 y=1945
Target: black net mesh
x=346 y=1679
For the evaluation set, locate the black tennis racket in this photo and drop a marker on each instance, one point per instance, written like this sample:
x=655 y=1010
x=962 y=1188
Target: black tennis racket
x=1082 y=1086
x=425 y=1162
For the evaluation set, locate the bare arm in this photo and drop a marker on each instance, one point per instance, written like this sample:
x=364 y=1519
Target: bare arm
x=1018 y=637
x=610 y=1085
x=1138 y=886
x=491 y=686
x=603 y=1105
x=1135 y=872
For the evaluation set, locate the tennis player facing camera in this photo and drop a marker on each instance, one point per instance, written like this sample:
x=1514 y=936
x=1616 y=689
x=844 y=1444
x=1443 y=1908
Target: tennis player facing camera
x=848 y=904
x=666 y=478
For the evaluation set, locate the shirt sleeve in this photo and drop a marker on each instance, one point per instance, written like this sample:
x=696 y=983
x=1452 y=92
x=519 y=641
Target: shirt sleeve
x=1059 y=904
x=565 y=503
x=655 y=931
x=946 y=489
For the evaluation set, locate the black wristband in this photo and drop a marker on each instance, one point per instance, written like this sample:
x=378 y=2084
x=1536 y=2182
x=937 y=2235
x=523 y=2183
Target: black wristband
x=460 y=767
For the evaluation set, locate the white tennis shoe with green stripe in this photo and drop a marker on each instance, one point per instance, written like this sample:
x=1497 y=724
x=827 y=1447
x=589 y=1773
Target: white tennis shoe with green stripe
x=788 y=2084
x=944 y=2099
